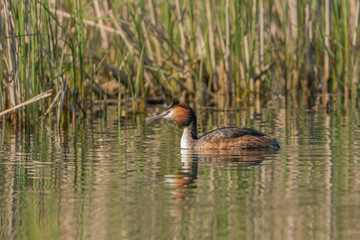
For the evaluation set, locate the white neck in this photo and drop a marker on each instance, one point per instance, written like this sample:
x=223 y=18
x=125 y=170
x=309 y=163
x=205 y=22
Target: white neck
x=189 y=137
x=186 y=139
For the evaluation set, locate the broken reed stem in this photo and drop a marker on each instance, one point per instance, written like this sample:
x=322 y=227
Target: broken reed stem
x=264 y=70
x=147 y=41
x=104 y=38
x=52 y=104
x=31 y=100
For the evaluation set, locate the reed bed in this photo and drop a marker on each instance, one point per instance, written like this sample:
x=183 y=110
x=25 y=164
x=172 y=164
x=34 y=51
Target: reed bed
x=209 y=52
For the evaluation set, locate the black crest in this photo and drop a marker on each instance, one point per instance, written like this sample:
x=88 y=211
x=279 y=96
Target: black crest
x=173 y=103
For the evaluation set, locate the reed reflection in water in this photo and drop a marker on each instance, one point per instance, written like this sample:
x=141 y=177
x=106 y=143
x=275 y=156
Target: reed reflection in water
x=103 y=180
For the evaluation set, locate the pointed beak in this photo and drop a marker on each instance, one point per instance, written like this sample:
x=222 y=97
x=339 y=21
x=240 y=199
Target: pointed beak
x=160 y=116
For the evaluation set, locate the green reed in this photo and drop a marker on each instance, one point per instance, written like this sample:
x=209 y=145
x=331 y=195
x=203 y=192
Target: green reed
x=180 y=48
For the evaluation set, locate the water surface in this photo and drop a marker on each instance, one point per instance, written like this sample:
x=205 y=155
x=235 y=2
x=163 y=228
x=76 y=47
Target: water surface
x=110 y=179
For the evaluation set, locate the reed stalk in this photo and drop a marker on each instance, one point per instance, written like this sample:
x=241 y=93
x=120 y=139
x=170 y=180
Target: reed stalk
x=327 y=66
x=261 y=40
x=355 y=57
x=227 y=56
x=211 y=42
x=14 y=86
x=292 y=45
x=309 y=83
x=346 y=49
x=155 y=41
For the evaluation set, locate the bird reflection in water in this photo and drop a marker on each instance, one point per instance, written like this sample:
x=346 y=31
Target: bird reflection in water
x=183 y=183
x=187 y=175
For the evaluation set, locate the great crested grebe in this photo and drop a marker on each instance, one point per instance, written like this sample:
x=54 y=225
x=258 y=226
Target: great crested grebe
x=221 y=138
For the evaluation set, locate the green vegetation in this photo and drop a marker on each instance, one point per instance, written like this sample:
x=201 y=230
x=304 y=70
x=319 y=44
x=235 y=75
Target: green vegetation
x=214 y=52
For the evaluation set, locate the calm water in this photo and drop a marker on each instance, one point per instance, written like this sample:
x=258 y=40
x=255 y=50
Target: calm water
x=103 y=180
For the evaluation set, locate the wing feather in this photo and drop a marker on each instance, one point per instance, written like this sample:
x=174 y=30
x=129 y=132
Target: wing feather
x=230 y=133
